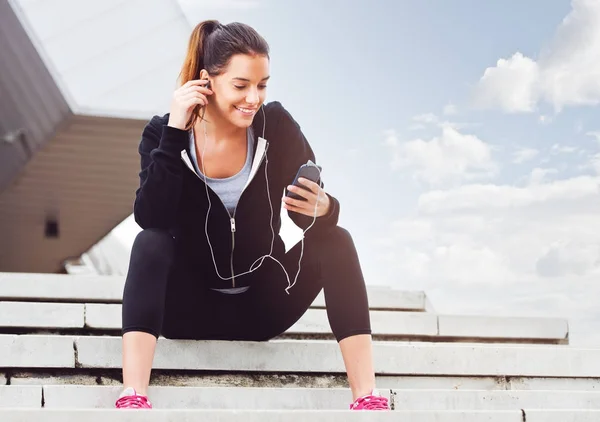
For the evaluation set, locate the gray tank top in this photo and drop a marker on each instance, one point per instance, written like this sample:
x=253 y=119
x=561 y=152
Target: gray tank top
x=229 y=188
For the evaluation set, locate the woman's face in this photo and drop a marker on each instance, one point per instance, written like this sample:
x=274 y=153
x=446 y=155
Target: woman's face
x=240 y=90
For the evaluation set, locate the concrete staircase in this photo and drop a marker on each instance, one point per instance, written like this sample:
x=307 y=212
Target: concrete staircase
x=60 y=359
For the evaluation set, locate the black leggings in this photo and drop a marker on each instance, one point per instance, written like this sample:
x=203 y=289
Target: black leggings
x=166 y=297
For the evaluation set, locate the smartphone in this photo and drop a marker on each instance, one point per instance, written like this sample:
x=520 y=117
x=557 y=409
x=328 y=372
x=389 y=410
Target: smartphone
x=309 y=171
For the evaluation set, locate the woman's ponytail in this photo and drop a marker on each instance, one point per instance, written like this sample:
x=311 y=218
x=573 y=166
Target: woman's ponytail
x=194 y=58
x=194 y=61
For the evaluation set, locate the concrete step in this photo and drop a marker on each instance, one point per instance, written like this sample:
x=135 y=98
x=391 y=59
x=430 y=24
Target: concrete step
x=305 y=356
x=174 y=378
x=109 y=289
x=103 y=397
x=418 y=325
x=75 y=396
x=26 y=396
x=157 y=415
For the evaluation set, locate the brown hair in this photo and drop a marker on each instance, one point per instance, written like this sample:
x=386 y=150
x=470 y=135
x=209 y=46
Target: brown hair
x=211 y=46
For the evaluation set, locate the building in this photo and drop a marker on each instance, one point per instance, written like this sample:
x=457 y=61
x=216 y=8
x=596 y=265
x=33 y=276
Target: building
x=77 y=85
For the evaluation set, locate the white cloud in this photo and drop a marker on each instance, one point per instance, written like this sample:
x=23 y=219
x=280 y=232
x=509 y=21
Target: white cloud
x=390 y=138
x=564 y=149
x=450 y=110
x=431 y=120
x=509 y=245
x=595 y=135
x=524 y=154
x=538 y=175
x=504 y=250
x=482 y=197
x=426 y=118
x=511 y=85
x=566 y=74
x=568 y=257
x=452 y=157
x=417 y=126
x=506 y=247
x=593 y=164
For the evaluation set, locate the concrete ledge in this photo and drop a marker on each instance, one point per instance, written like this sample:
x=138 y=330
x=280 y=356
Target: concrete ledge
x=494 y=400
x=32 y=351
x=314 y=321
x=109 y=289
x=41 y=315
x=278 y=380
x=306 y=356
x=502 y=327
x=324 y=356
x=29 y=397
x=156 y=415
x=36 y=378
x=388 y=323
x=565 y=384
x=573 y=415
x=61 y=287
x=389 y=299
x=73 y=396
x=103 y=316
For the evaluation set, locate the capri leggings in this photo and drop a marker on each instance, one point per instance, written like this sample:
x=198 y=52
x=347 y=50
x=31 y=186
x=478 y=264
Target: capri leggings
x=163 y=296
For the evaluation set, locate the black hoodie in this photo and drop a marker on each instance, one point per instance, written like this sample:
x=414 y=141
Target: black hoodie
x=172 y=196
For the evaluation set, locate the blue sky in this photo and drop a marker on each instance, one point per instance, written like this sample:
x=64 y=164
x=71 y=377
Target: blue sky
x=459 y=138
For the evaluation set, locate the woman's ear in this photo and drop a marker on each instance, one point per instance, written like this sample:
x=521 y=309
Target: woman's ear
x=204 y=75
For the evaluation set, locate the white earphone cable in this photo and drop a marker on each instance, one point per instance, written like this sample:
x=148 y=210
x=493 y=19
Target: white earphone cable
x=269 y=255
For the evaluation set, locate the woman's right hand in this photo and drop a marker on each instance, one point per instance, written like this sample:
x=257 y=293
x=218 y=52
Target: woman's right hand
x=185 y=98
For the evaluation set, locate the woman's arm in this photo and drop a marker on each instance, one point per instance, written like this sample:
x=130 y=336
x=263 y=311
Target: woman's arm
x=297 y=151
x=161 y=175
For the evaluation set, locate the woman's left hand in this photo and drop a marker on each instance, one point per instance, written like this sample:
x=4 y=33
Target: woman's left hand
x=307 y=207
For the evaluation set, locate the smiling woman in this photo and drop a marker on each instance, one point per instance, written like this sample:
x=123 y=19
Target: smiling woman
x=196 y=270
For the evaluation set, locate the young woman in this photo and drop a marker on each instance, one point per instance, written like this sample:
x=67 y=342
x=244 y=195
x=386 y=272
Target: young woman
x=209 y=262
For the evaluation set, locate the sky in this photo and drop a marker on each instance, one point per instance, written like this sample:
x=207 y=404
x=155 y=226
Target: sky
x=461 y=138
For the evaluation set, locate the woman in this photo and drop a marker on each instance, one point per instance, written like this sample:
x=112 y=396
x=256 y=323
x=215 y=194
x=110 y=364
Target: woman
x=209 y=263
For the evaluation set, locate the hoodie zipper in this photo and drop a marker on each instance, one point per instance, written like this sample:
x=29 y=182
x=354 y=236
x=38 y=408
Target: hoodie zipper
x=231 y=217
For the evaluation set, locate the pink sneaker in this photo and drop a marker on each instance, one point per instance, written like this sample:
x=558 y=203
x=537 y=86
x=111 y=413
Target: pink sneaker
x=129 y=399
x=373 y=401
